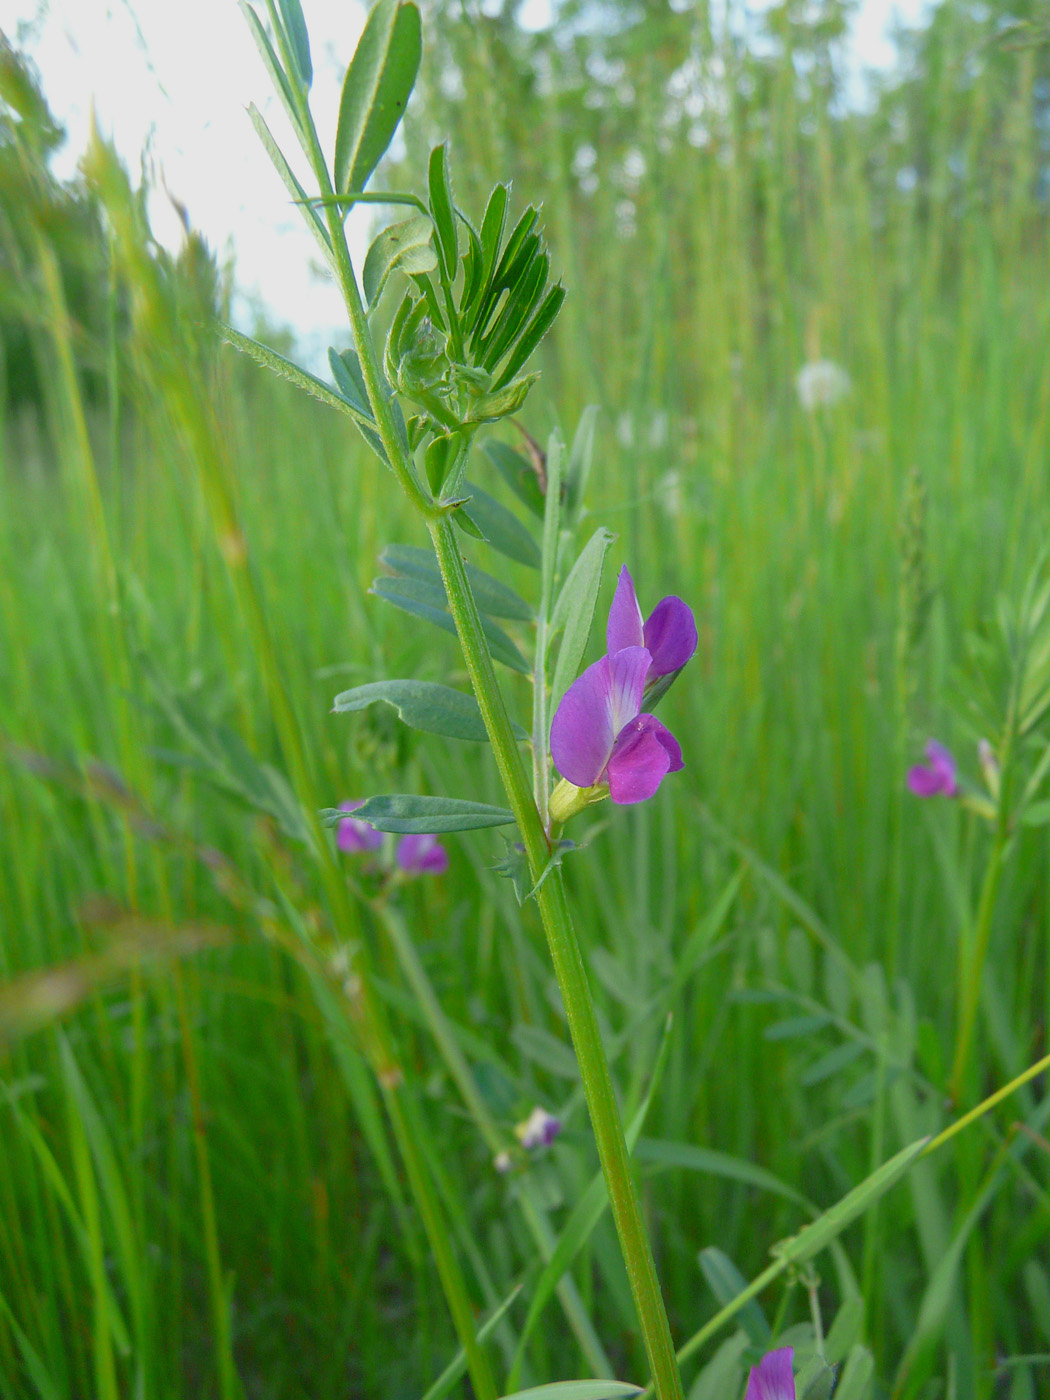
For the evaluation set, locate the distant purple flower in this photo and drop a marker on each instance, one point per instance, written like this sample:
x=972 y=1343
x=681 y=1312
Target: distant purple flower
x=599 y=736
x=421 y=855
x=772 y=1378
x=668 y=634
x=356 y=836
x=936 y=776
x=538 y=1130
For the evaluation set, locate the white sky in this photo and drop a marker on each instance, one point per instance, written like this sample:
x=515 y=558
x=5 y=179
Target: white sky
x=175 y=77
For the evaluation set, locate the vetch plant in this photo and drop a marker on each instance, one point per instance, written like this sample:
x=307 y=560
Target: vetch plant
x=475 y=302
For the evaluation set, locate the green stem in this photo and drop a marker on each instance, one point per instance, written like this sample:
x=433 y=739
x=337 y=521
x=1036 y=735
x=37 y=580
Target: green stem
x=569 y=970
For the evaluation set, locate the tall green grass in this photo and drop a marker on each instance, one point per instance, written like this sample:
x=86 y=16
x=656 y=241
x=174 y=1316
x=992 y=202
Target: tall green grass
x=201 y=1193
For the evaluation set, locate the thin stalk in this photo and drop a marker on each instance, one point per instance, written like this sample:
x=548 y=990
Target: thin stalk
x=972 y=988
x=569 y=970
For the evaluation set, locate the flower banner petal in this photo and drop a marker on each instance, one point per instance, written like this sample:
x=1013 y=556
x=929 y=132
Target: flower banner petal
x=625 y=616
x=628 y=669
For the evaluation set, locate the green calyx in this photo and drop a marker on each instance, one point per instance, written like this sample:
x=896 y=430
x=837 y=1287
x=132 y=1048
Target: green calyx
x=567 y=799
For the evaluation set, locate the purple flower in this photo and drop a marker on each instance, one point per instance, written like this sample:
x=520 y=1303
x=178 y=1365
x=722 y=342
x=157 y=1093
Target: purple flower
x=668 y=634
x=355 y=836
x=936 y=776
x=538 y=1130
x=599 y=736
x=421 y=855
x=772 y=1378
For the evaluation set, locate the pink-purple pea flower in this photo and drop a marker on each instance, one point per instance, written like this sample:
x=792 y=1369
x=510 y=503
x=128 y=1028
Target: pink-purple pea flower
x=538 y=1130
x=415 y=855
x=935 y=776
x=355 y=836
x=421 y=855
x=772 y=1378
x=599 y=734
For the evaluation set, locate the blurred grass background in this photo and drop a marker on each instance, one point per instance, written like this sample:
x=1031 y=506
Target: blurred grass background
x=198 y=1194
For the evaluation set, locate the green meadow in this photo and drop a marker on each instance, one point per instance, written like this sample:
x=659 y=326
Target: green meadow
x=800 y=968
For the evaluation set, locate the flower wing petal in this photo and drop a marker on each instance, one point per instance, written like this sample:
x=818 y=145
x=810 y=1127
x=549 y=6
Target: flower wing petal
x=625 y=616
x=582 y=730
x=644 y=753
x=772 y=1378
x=670 y=635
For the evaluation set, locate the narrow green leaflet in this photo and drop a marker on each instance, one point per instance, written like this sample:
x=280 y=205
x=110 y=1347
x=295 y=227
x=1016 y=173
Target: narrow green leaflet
x=436 y=709
x=534 y=333
x=422 y=599
x=577 y=1390
x=520 y=304
x=574 y=611
x=346 y=371
x=813 y=1238
x=405 y=246
x=350 y=381
x=519 y=474
x=273 y=66
x=406 y=813
x=263 y=355
x=491 y=596
x=500 y=527
x=443 y=212
x=377 y=87
x=492 y=226
x=291 y=183
x=298 y=40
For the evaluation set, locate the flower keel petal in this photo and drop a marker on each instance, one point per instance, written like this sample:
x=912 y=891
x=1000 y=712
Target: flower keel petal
x=644 y=753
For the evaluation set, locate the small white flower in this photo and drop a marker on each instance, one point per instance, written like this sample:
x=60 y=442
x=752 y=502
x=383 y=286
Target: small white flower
x=502 y=1162
x=821 y=384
